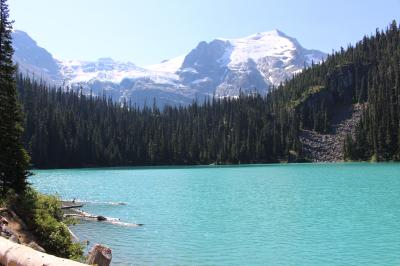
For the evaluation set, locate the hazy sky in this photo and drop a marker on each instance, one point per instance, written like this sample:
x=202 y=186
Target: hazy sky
x=148 y=31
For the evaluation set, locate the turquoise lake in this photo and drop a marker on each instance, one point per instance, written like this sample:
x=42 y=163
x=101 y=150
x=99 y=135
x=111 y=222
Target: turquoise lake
x=288 y=214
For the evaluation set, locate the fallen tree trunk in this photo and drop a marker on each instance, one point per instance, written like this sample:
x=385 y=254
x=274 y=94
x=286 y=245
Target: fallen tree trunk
x=72 y=207
x=79 y=215
x=20 y=255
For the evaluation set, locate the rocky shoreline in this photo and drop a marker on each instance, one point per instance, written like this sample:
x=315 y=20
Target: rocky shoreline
x=14 y=229
x=19 y=246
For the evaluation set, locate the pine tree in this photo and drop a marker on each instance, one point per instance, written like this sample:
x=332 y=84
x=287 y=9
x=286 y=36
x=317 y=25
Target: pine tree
x=13 y=157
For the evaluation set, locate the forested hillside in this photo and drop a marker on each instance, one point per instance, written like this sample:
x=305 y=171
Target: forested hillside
x=367 y=73
x=378 y=135
x=68 y=129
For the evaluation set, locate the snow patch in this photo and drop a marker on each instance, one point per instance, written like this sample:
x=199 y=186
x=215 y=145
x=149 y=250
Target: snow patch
x=171 y=65
x=108 y=70
x=257 y=46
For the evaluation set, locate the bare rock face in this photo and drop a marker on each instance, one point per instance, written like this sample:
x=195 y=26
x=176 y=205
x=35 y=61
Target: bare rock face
x=100 y=255
x=328 y=147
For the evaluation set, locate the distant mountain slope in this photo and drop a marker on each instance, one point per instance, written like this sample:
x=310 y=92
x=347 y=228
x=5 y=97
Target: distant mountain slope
x=34 y=60
x=221 y=67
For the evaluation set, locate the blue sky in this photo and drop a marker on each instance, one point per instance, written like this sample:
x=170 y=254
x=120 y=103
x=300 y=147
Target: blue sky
x=148 y=31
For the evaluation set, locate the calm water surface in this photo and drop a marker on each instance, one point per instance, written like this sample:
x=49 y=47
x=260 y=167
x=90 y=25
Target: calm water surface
x=298 y=214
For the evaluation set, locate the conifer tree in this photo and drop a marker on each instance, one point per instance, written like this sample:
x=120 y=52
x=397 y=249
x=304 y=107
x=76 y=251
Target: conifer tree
x=13 y=157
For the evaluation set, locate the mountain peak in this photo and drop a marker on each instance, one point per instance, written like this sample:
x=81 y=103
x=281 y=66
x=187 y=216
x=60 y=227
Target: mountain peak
x=274 y=32
x=106 y=59
x=277 y=32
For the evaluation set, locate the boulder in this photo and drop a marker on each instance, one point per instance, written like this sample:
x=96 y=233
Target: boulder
x=3 y=220
x=36 y=247
x=100 y=256
x=14 y=238
x=5 y=231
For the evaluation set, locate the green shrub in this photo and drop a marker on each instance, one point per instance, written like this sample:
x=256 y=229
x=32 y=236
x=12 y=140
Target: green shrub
x=44 y=215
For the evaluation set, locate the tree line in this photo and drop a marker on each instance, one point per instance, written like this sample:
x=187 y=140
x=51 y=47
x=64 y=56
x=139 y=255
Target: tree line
x=69 y=129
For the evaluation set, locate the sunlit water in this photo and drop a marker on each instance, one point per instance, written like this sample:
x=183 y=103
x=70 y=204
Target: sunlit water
x=298 y=214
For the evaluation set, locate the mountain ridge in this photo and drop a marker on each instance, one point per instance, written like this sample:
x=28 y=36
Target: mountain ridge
x=221 y=67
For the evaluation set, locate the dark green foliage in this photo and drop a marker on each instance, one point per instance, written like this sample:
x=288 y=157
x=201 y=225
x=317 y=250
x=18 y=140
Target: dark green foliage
x=13 y=158
x=66 y=129
x=367 y=73
x=378 y=135
x=44 y=216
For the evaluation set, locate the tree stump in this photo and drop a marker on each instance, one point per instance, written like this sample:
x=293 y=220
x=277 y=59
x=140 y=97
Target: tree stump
x=99 y=255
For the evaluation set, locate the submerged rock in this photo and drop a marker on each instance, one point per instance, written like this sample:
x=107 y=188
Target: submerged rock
x=101 y=218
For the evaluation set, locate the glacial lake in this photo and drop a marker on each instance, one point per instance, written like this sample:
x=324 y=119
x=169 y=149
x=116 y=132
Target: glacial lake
x=287 y=214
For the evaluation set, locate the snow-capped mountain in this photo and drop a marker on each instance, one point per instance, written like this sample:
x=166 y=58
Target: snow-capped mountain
x=224 y=66
x=221 y=67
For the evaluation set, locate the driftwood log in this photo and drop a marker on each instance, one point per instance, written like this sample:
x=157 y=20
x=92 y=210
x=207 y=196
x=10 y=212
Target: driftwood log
x=99 y=255
x=13 y=254
x=65 y=207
